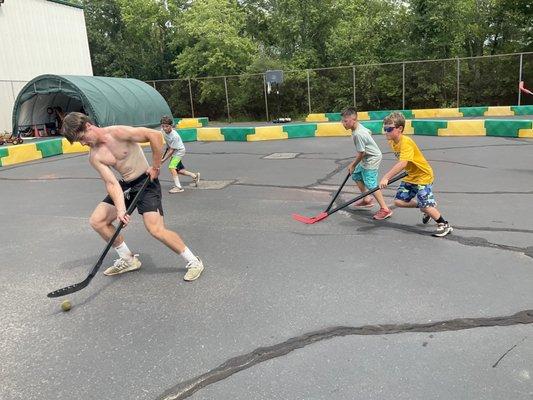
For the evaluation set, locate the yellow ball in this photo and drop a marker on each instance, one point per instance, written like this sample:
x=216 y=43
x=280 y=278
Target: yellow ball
x=66 y=306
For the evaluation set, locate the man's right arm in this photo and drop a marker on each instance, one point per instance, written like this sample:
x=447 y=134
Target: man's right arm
x=113 y=188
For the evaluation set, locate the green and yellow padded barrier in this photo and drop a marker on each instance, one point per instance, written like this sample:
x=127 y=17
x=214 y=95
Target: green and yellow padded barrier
x=316 y=118
x=428 y=127
x=188 y=135
x=464 y=128
x=75 y=147
x=499 y=111
x=209 y=135
x=508 y=128
x=3 y=153
x=332 y=129
x=522 y=110
x=21 y=153
x=49 y=148
x=236 y=134
x=473 y=111
x=300 y=130
x=183 y=123
x=267 y=133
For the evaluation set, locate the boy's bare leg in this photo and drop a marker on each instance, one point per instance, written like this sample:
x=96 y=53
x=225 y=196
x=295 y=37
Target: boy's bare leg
x=432 y=212
x=101 y=221
x=362 y=188
x=404 y=204
x=381 y=200
x=187 y=173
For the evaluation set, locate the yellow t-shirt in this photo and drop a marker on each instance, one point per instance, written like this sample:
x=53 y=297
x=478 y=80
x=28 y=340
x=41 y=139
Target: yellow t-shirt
x=418 y=169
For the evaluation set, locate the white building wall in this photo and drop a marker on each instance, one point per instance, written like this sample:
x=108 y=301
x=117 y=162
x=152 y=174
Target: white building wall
x=38 y=37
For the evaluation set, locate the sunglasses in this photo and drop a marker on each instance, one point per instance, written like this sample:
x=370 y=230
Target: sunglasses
x=388 y=129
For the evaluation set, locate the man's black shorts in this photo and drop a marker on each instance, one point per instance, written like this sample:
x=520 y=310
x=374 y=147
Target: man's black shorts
x=150 y=200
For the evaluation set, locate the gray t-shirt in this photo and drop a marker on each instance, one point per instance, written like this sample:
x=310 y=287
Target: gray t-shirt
x=173 y=140
x=362 y=138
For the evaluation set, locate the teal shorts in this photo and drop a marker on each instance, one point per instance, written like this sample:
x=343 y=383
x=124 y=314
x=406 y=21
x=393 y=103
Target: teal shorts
x=368 y=176
x=175 y=163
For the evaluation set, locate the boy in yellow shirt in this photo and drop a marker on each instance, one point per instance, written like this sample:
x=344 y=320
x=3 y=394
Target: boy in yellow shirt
x=420 y=177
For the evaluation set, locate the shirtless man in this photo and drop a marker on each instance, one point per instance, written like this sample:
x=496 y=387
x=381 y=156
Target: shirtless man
x=118 y=147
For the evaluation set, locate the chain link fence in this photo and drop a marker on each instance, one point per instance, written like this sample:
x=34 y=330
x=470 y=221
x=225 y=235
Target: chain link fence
x=456 y=82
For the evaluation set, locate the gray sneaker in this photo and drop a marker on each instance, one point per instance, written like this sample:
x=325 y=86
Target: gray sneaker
x=121 y=265
x=443 y=229
x=194 y=270
x=196 y=179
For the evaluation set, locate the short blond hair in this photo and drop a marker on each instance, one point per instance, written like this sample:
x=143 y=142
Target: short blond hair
x=397 y=119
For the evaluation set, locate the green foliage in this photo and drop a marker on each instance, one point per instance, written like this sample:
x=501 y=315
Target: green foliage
x=159 y=39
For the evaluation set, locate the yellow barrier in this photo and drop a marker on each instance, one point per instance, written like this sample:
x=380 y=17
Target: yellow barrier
x=267 y=133
x=464 y=128
x=75 y=147
x=189 y=123
x=332 y=129
x=21 y=153
x=363 y=116
x=316 y=118
x=525 y=133
x=209 y=135
x=448 y=112
x=499 y=111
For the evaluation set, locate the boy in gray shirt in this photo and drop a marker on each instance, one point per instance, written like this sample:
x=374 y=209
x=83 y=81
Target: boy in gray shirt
x=364 y=168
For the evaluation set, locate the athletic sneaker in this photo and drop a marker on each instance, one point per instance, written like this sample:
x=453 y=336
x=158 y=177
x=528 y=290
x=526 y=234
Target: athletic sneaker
x=443 y=229
x=194 y=269
x=176 y=189
x=382 y=214
x=121 y=265
x=196 y=179
x=425 y=218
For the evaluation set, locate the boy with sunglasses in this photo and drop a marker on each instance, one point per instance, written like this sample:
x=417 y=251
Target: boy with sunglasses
x=420 y=177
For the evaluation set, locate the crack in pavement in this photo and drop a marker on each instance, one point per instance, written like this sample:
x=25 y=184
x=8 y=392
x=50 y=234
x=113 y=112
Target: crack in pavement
x=233 y=365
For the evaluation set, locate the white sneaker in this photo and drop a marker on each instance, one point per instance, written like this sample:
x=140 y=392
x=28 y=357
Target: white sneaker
x=196 y=179
x=194 y=269
x=176 y=189
x=121 y=265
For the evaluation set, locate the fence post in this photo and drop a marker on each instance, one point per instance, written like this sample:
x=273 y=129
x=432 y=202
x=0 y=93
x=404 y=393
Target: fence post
x=190 y=96
x=403 y=86
x=458 y=79
x=227 y=98
x=308 y=92
x=353 y=79
x=520 y=77
x=266 y=96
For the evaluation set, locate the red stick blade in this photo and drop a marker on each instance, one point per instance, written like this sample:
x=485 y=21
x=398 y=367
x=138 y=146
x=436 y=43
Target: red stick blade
x=309 y=220
x=302 y=218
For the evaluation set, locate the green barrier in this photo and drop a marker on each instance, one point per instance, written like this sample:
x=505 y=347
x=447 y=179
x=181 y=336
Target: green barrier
x=3 y=153
x=473 y=111
x=428 y=127
x=522 y=110
x=236 y=134
x=408 y=114
x=376 y=127
x=334 y=117
x=188 y=134
x=50 y=148
x=506 y=128
x=300 y=131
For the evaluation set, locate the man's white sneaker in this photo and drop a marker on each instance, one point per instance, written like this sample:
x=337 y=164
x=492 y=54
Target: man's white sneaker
x=176 y=189
x=121 y=265
x=196 y=179
x=194 y=270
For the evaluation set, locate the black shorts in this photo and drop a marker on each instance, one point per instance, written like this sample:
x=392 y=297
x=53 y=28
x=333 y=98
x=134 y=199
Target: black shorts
x=150 y=200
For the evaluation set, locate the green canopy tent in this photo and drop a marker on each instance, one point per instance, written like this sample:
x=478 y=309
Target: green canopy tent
x=107 y=101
